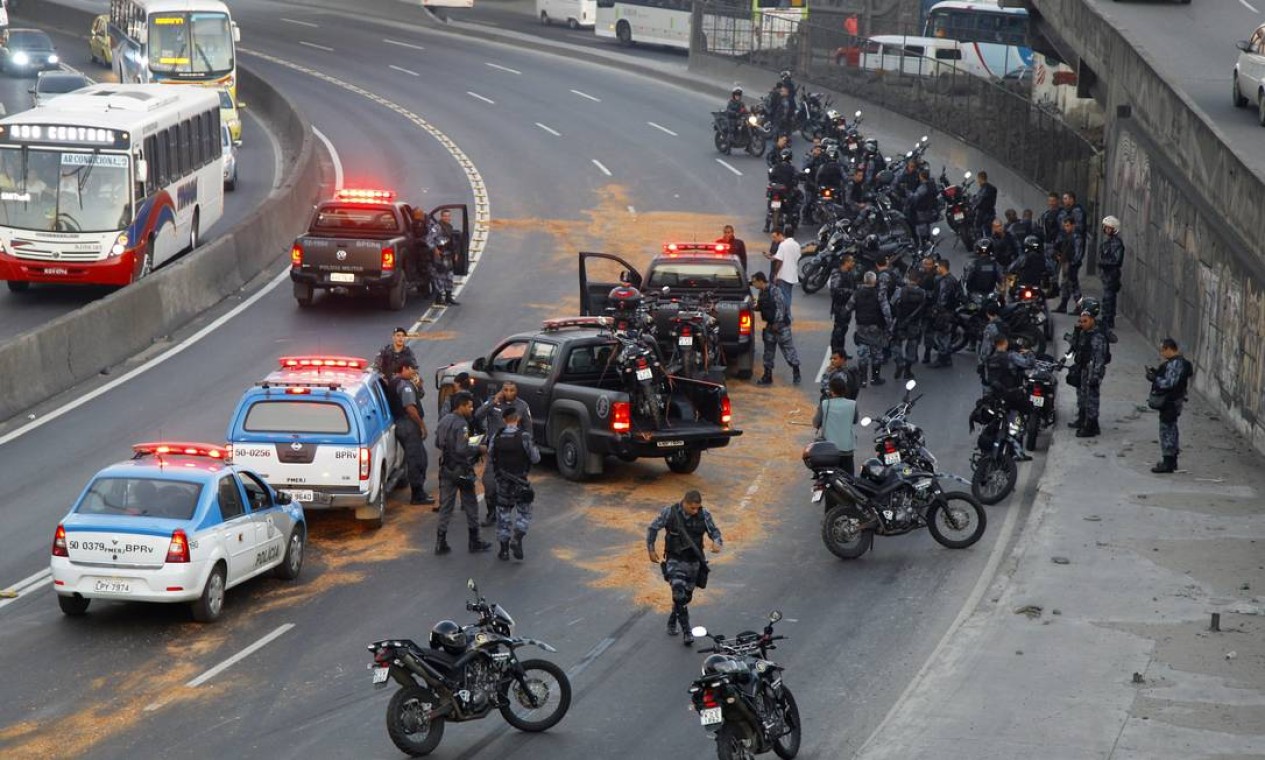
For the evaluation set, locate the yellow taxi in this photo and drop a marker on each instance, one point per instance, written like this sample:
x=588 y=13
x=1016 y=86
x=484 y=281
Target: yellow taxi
x=99 y=40
x=229 y=115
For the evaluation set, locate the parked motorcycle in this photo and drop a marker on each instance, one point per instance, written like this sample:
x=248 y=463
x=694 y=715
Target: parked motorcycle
x=810 y=114
x=746 y=134
x=694 y=333
x=740 y=697
x=783 y=208
x=1026 y=320
x=994 y=464
x=1041 y=383
x=898 y=440
x=644 y=376
x=958 y=202
x=463 y=675
x=1036 y=297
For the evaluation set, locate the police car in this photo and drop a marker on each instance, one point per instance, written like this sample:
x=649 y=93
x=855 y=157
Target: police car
x=176 y=523
x=320 y=428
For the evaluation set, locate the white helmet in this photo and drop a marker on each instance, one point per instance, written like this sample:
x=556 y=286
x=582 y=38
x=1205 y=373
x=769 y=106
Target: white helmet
x=1111 y=223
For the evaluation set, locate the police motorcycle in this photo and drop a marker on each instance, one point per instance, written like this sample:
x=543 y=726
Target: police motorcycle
x=1041 y=384
x=783 y=207
x=810 y=114
x=1026 y=319
x=746 y=133
x=888 y=500
x=638 y=361
x=833 y=241
x=958 y=202
x=848 y=135
x=994 y=464
x=740 y=698
x=464 y=674
x=898 y=440
x=694 y=334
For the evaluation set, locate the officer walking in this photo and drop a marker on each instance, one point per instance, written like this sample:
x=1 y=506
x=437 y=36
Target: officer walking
x=511 y=455
x=1168 y=387
x=685 y=523
x=909 y=307
x=947 y=293
x=776 y=313
x=489 y=417
x=1090 y=355
x=410 y=429
x=874 y=321
x=1110 y=262
x=394 y=354
x=456 y=473
x=843 y=283
x=836 y=415
x=1071 y=254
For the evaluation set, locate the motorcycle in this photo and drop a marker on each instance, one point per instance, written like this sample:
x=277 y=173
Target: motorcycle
x=740 y=697
x=958 y=202
x=782 y=208
x=1036 y=297
x=645 y=379
x=888 y=500
x=815 y=270
x=746 y=134
x=898 y=440
x=810 y=115
x=694 y=333
x=1026 y=320
x=994 y=463
x=1041 y=383
x=455 y=683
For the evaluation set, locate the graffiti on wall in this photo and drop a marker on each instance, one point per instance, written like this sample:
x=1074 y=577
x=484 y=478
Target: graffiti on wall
x=1131 y=178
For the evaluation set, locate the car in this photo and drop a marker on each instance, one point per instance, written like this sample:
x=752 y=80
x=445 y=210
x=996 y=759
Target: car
x=229 y=115
x=50 y=84
x=99 y=41
x=229 y=148
x=1249 y=74
x=176 y=523
x=27 y=50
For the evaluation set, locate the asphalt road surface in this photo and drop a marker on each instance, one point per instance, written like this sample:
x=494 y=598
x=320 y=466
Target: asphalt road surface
x=113 y=683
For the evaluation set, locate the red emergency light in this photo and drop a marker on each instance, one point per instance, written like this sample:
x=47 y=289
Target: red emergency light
x=364 y=195
x=322 y=362
x=172 y=448
x=716 y=249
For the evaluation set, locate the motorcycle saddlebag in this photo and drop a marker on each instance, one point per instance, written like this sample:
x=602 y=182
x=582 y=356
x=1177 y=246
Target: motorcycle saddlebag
x=821 y=455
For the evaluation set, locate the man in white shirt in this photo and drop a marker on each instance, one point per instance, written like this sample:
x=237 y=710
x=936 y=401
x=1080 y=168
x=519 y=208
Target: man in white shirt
x=785 y=256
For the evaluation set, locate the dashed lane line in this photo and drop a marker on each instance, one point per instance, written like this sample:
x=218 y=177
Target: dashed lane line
x=601 y=167
x=499 y=67
x=588 y=96
x=726 y=164
x=318 y=47
x=662 y=128
x=403 y=70
x=408 y=45
x=247 y=652
x=301 y=23
x=477 y=96
x=550 y=130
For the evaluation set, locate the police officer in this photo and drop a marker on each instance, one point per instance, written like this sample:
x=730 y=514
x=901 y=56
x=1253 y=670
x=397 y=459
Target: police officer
x=843 y=283
x=488 y=417
x=1110 y=262
x=456 y=473
x=783 y=173
x=856 y=195
x=985 y=204
x=783 y=113
x=871 y=160
x=1022 y=227
x=830 y=173
x=410 y=428
x=1048 y=226
x=1031 y=268
x=394 y=354
x=1003 y=376
x=906 y=182
x=771 y=303
x=1071 y=254
x=1005 y=247
x=735 y=110
x=838 y=367
x=982 y=275
x=921 y=208
x=773 y=156
x=685 y=523
x=442 y=264
x=1076 y=212
x=1090 y=353
x=784 y=81
x=1168 y=382
x=511 y=454
x=988 y=338
x=909 y=308
x=947 y=294
x=929 y=278
x=874 y=322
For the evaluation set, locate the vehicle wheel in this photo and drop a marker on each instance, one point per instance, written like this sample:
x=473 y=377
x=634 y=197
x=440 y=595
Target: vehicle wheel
x=1260 y=109
x=397 y=296
x=957 y=338
x=775 y=222
x=684 y=462
x=994 y=480
x=756 y=145
x=231 y=184
x=572 y=24
x=956 y=526
x=1030 y=435
x=729 y=744
x=73 y=605
x=209 y=606
x=18 y=286
x=1239 y=100
x=304 y=293
x=572 y=454
x=552 y=690
x=379 y=505
x=721 y=142
x=623 y=33
x=93 y=58
x=842 y=533
x=787 y=745
x=544 y=19
x=146 y=265
x=290 y=566
x=816 y=279
x=409 y=731
x=1048 y=329
x=193 y=231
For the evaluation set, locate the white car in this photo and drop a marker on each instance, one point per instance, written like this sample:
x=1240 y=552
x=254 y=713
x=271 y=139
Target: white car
x=1249 y=74
x=177 y=523
x=229 y=159
x=50 y=84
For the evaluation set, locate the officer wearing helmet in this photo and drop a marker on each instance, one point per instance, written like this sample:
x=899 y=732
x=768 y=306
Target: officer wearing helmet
x=830 y=173
x=783 y=173
x=784 y=81
x=982 y=274
x=1110 y=263
x=1031 y=268
x=735 y=109
x=871 y=160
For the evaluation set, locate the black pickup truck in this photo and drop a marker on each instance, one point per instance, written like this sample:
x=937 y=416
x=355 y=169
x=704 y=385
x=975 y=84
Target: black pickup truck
x=686 y=269
x=579 y=409
x=365 y=241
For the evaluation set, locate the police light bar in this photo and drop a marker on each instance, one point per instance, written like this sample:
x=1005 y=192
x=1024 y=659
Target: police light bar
x=719 y=249
x=562 y=323
x=365 y=195
x=172 y=448
x=322 y=362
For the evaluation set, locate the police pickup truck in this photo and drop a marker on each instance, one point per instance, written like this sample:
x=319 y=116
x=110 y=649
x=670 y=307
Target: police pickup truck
x=686 y=269
x=364 y=241
x=320 y=429
x=579 y=408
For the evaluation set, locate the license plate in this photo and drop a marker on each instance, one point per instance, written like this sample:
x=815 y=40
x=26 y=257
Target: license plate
x=380 y=675
x=923 y=484
x=775 y=205
x=892 y=458
x=669 y=444
x=852 y=147
x=817 y=496
x=709 y=716
x=685 y=340
x=301 y=495
x=958 y=216
x=1037 y=400
x=113 y=586
x=644 y=373
x=342 y=277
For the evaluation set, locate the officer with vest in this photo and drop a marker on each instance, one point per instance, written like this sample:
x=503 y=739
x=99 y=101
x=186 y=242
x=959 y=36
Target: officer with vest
x=1168 y=386
x=685 y=522
x=922 y=207
x=1110 y=262
x=511 y=455
x=1003 y=376
x=982 y=274
x=456 y=473
x=947 y=294
x=1070 y=252
x=909 y=309
x=843 y=283
x=488 y=417
x=836 y=415
x=838 y=367
x=1031 y=268
x=776 y=313
x=395 y=353
x=410 y=428
x=1090 y=355
x=874 y=323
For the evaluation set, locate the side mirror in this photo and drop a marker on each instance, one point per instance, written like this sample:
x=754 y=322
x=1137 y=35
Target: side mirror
x=32 y=90
x=241 y=106
x=666 y=290
x=866 y=422
x=775 y=616
x=474 y=587
x=282 y=498
x=142 y=169
x=857 y=114
x=968 y=175
x=480 y=364
x=699 y=632
x=909 y=386
x=237 y=33
x=623 y=275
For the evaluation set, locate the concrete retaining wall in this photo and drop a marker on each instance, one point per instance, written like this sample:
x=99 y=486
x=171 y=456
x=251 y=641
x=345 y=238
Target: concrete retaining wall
x=54 y=358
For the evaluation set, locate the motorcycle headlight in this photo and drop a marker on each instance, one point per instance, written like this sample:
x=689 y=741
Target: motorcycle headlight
x=752 y=120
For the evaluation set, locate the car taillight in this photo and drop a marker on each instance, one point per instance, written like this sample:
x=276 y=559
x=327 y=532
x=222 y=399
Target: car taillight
x=296 y=255
x=59 y=543
x=744 y=322
x=388 y=259
x=709 y=699
x=364 y=463
x=621 y=417
x=827 y=192
x=726 y=411
x=298 y=391
x=178 y=549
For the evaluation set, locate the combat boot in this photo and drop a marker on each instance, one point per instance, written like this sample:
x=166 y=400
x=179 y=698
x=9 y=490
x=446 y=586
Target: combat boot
x=900 y=370
x=1166 y=464
x=672 y=629
x=877 y=379
x=909 y=372
x=490 y=520
x=1077 y=423
x=516 y=545
x=688 y=635
x=796 y=377
x=926 y=355
x=1089 y=430
x=476 y=545
x=441 y=544
x=504 y=553
x=767 y=379
x=448 y=299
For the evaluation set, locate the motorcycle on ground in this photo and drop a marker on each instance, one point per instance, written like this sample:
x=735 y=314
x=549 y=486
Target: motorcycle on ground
x=994 y=464
x=745 y=134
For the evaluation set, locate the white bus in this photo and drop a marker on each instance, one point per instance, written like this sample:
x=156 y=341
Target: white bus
x=996 y=37
x=104 y=184
x=174 y=42
x=733 y=29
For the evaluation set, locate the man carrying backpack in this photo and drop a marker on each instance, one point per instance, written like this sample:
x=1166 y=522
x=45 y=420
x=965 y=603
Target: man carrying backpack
x=1168 y=392
x=410 y=428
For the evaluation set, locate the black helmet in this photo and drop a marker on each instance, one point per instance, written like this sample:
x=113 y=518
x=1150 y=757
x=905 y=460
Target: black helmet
x=1090 y=305
x=786 y=155
x=719 y=664
x=447 y=635
x=884 y=177
x=871 y=242
x=832 y=152
x=624 y=298
x=984 y=247
x=1033 y=244
x=873 y=469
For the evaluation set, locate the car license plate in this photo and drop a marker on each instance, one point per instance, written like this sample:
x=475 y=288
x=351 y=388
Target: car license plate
x=342 y=277
x=1037 y=400
x=891 y=458
x=775 y=205
x=685 y=340
x=301 y=495
x=380 y=675
x=113 y=586
x=817 y=495
x=958 y=216
x=669 y=444
x=644 y=373
x=710 y=716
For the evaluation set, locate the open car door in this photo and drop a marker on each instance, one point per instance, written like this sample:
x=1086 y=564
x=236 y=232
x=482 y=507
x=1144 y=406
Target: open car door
x=460 y=222
x=595 y=289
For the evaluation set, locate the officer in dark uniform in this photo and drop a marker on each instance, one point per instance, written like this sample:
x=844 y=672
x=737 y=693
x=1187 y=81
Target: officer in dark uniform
x=856 y=194
x=394 y=354
x=410 y=429
x=921 y=208
x=947 y=294
x=839 y=367
x=1070 y=251
x=776 y=313
x=783 y=143
x=1005 y=247
x=988 y=338
x=843 y=283
x=1048 y=226
x=488 y=419
x=1076 y=212
x=511 y=454
x=456 y=473
x=1031 y=267
x=1090 y=352
x=830 y=173
x=783 y=173
x=685 y=523
x=1169 y=381
x=874 y=322
x=985 y=204
x=1003 y=376
x=735 y=110
x=982 y=275
x=909 y=309
x=1110 y=262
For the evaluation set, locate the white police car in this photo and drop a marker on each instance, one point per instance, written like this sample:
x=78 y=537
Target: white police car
x=176 y=523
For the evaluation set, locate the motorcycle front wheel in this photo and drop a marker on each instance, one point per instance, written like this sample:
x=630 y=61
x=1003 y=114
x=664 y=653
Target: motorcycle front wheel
x=409 y=732
x=1030 y=435
x=787 y=745
x=729 y=745
x=842 y=533
x=994 y=479
x=956 y=520
x=815 y=278
x=756 y=144
x=552 y=690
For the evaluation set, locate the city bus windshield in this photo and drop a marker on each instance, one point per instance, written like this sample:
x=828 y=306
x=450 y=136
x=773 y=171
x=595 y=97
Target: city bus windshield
x=190 y=44
x=64 y=191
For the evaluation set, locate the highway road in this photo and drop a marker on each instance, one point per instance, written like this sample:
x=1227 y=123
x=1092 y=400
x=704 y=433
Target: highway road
x=573 y=157
x=257 y=172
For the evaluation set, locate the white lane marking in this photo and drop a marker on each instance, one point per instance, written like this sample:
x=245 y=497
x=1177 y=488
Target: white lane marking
x=1249 y=7
x=601 y=167
x=333 y=156
x=300 y=23
x=318 y=47
x=499 y=67
x=30 y=579
x=725 y=164
x=247 y=652
x=403 y=70
x=409 y=45
x=586 y=95
x=45 y=581
x=632 y=210
x=477 y=96
x=825 y=362
x=662 y=128
x=550 y=130
x=278 y=158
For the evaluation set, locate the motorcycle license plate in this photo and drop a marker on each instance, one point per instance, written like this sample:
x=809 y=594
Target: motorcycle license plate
x=817 y=496
x=1037 y=400
x=775 y=205
x=685 y=340
x=892 y=458
x=380 y=675
x=644 y=373
x=709 y=716
x=958 y=216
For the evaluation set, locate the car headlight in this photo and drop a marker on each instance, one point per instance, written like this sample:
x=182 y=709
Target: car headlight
x=21 y=58
x=120 y=245
x=52 y=58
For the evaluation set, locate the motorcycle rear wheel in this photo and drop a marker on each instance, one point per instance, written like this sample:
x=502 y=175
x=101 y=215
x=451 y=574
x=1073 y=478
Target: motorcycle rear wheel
x=729 y=744
x=787 y=746
x=404 y=725
x=1030 y=436
x=994 y=480
x=559 y=694
x=972 y=520
x=840 y=534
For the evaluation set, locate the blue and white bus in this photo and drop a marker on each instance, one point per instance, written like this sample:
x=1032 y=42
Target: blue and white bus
x=996 y=37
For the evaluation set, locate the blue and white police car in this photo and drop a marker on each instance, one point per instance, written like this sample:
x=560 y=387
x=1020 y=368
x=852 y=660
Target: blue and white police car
x=176 y=523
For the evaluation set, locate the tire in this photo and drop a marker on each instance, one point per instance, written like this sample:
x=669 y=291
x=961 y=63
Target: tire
x=573 y=453
x=397 y=296
x=18 y=286
x=572 y=24
x=411 y=739
x=684 y=462
x=194 y=237
x=756 y=145
x=511 y=696
x=974 y=510
x=834 y=533
x=74 y=606
x=231 y=184
x=1239 y=101
x=993 y=480
x=290 y=567
x=623 y=33
x=787 y=747
x=729 y=744
x=379 y=504
x=1030 y=435
x=957 y=340
x=209 y=606
x=721 y=142
x=146 y=265
x=1260 y=109
x=816 y=279
x=305 y=294
x=1048 y=329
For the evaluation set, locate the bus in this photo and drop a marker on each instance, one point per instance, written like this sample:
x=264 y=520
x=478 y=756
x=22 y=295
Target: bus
x=174 y=42
x=734 y=29
x=103 y=185
x=997 y=37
